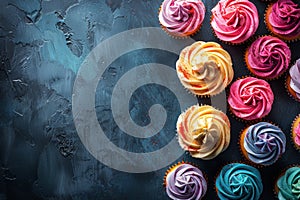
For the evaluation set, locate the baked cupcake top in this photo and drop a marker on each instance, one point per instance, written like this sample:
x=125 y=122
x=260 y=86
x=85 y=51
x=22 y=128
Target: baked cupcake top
x=284 y=19
x=234 y=21
x=203 y=131
x=294 y=73
x=181 y=17
x=250 y=98
x=264 y=143
x=185 y=182
x=289 y=184
x=268 y=57
x=239 y=181
x=204 y=68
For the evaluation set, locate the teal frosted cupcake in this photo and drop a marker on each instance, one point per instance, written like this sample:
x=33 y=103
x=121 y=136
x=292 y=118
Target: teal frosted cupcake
x=288 y=184
x=239 y=181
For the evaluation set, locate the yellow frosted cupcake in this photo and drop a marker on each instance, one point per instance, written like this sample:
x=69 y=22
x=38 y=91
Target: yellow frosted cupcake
x=204 y=68
x=203 y=131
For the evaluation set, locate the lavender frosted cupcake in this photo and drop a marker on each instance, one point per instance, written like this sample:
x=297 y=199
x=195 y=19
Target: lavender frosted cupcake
x=293 y=81
x=184 y=181
x=262 y=143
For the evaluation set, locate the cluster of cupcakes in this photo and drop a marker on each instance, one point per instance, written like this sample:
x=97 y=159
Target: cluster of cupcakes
x=206 y=69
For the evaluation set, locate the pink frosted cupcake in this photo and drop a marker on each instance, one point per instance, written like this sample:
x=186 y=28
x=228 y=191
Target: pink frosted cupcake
x=283 y=19
x=268 y=57
x=234 y=21
x=181 y=18
x=250 y=98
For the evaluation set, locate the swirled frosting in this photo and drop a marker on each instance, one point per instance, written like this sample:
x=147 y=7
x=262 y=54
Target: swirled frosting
x=234 y=20
x=268 y=57
x=240 y=182
x=185 y=182
x=203 y=131
x=182 y=17
x=284 y=18
x=204 y=68
x=250 y=98
x=289 y=184
x=264 y=143
x=297 y=134
x=295 y=78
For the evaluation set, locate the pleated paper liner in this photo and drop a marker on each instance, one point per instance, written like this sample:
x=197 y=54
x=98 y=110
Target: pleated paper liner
x=271 y=30
x=249 y=67
x=179 y=35
x=243 y=151
x=275 y=187
x=263 y=118
x=289 y=90
x=295 y=123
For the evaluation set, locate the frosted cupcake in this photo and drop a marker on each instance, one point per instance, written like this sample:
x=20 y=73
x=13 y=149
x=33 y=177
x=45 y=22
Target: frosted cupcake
x=181 y=18
x=288 y=184
x=296 y=132
x=283 y=19
x=234 y=21
x=184 y=181
x=293 y=81
x=239 y=181
x=203 y=131
x=268 y=57
x=204 y=68
x=250 y=98
x=262 y=143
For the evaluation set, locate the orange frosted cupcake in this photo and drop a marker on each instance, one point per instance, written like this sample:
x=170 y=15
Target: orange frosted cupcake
x=296 y=132
x=181 y=18
x=293 y=81
x=283 y=19
x=185 y=182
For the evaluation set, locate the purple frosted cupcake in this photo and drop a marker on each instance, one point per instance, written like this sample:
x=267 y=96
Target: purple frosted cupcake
x=184 y=181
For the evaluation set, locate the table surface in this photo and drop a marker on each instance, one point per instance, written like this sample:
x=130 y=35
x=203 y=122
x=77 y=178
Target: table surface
x=43 y=44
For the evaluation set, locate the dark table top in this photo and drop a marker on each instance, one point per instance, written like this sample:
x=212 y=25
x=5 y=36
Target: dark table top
x=43 y=46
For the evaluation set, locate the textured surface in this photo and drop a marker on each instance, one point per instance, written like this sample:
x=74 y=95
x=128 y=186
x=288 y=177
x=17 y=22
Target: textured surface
x=43 y=43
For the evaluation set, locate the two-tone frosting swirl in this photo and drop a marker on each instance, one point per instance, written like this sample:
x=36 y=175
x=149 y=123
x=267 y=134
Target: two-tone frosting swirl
x=240 y=182
x=204 y=68
x=284 y=19
x=295 y=78
x=182 y=17
x=185 y=182
x=297 y=134
x=203 y=131
x=264 y=143
x=234 y=21
x=250 y=98
x=289 y=184
x=268 y=57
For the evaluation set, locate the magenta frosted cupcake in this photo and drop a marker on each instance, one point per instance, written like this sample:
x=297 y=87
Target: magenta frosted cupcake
x=185 y=182
x=283 y=19
x=250 y=98
x=181 y=18
x=268 y=57
x=234 y=21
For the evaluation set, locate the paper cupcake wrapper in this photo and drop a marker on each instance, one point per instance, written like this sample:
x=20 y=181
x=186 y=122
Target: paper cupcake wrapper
x=289 y=90
x=249 y=68
x=292 y=134
x=270 y=28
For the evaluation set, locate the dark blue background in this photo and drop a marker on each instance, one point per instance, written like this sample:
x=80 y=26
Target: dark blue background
x=43 y=43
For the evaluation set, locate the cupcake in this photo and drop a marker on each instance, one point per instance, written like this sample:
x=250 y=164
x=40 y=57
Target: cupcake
x=181 y=18
x=234 y=21
x=262 y=143
x=239 y=181
x=293 y=81
x=296 y=132
x=204 y=68
x=203 y=131
x=268 y=57
x=283 y=19
x=250 y=98
x=184 y=181
x=288 y=184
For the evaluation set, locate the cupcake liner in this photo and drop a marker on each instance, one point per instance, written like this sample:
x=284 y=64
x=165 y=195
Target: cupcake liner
x=270 y=28
x=289 y=90
x=295 y=122
x=248 y=65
